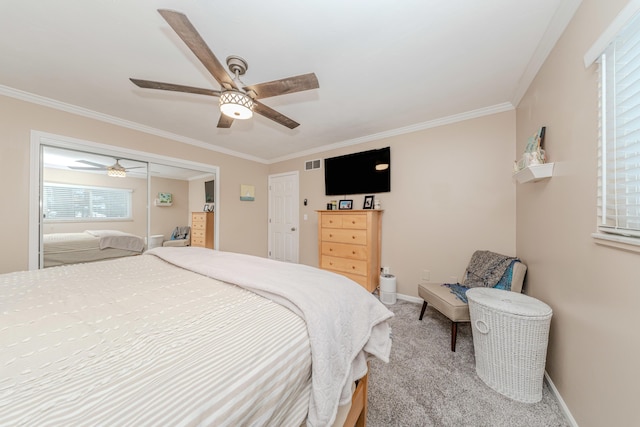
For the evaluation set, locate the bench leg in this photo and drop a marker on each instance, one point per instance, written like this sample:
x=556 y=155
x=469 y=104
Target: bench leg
x=454 y=335
x=424 y=307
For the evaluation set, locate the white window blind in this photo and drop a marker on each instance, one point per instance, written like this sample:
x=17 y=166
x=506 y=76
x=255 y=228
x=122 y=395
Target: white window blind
x=64 y=202
x=619 y=152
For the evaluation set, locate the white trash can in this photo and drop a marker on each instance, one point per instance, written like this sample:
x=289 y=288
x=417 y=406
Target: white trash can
x=510 y=336
x=388 y=288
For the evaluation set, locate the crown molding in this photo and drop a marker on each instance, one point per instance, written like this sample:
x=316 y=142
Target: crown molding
x=558 y=24
x=84 y=112
x=480 y=112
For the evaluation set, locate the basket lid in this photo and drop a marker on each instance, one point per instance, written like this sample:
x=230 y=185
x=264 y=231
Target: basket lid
x=509 y=302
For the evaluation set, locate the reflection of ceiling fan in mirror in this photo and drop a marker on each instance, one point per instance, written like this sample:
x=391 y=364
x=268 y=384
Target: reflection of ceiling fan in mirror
x=237 y=101
x=116 y=169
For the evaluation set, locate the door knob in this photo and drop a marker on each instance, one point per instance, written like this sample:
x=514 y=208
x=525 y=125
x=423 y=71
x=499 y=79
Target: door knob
x=293 y=229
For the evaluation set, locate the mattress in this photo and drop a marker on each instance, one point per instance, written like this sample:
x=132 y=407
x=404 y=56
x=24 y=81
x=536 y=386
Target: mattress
x=88 y=246
x=138 y=341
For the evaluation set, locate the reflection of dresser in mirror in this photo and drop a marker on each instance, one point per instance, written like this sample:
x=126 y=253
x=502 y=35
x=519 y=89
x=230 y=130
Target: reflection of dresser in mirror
x=202 y=229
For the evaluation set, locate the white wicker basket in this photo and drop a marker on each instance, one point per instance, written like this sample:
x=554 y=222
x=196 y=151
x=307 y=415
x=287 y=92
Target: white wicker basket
x=510 y=337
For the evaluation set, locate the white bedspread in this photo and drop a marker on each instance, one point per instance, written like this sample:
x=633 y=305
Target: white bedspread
x=336 y=310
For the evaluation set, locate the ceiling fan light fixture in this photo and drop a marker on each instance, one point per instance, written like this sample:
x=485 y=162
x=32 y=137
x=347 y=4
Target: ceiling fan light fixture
x=117 y=173
x=236 y=105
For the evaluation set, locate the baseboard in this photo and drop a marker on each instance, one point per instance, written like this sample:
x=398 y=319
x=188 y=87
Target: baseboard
x=563 y=406
x=410 y=298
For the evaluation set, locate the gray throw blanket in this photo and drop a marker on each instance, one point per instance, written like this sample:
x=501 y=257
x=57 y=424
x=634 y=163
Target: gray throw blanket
x=485 y=269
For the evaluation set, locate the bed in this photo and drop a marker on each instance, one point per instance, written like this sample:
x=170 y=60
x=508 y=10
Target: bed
x=88 y=246
x=186 y=336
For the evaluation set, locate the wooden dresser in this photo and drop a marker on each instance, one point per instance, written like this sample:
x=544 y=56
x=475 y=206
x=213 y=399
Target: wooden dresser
x=349 y=244
x=202 y=229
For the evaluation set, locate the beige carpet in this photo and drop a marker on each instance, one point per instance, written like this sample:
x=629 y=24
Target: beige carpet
x=425 y=384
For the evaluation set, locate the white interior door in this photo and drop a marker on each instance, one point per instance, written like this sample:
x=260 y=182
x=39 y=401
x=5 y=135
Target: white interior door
x=283 y=217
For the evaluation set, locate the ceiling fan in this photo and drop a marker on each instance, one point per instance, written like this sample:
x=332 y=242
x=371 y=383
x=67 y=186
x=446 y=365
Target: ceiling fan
x=116 y=169
x=237 y=100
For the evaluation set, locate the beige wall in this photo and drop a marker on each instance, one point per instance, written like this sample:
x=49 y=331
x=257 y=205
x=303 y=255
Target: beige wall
x=243 y=224
x=451 y=193
x=593 y=290
x=163 y=219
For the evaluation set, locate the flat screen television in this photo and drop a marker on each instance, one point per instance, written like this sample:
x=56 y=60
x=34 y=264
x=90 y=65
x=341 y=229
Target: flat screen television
x=358 y=173
x=209 y=191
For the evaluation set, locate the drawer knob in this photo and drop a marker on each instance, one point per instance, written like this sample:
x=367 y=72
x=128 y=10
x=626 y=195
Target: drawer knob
x=330 y=249
x=353 y=267
x=330 y=235
x=353 y=237
x=353 y=252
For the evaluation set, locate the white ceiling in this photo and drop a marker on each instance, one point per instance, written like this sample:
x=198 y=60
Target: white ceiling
x=384 y=66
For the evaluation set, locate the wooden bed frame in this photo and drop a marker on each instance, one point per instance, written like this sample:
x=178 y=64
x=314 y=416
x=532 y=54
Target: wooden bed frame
x=357 y=416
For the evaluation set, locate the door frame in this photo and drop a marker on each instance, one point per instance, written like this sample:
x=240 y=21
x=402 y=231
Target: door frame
x=296 y=213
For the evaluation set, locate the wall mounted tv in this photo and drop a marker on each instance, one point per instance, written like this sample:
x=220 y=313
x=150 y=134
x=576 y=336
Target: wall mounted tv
x=357 y=173
x=209 y=191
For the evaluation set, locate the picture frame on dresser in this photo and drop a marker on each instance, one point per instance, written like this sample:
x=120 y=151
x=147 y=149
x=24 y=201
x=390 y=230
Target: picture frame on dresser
x=345 y=204
x=368 y=202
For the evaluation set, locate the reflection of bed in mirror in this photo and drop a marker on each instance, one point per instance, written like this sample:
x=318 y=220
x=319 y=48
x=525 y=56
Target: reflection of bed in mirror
x=88 y=246
x=187 y=336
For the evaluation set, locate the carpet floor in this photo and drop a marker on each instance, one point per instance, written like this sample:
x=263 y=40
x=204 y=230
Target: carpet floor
x=426 y=384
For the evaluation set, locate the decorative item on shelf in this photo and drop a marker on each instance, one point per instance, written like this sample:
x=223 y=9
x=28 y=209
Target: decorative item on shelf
x=345 y=204
x=247 y=193
x=208 y=207
x=533 y=165
x=533 y=154
x=368 y=202
x=334 y=205
x=376 y=204
x=329 y=206
x=164 y=199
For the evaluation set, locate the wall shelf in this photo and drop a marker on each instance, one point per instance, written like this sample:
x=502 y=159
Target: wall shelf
x=157 y=202
x=534 y=173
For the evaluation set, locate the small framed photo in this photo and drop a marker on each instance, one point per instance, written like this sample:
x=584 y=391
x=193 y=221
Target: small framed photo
x=345 y=204
x=368 y=202
x=206 y=208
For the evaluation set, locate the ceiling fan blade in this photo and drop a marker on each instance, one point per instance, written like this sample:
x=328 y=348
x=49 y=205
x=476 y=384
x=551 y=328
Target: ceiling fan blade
x=136 y=167
x=82 y=168
x=148 y=84
x=190 y=36
x=284 y=86
x=272 y=114
x=224 y=121
x=87 y=162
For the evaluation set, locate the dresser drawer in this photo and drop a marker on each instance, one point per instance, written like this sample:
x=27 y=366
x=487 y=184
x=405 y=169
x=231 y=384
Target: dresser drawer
x=344 y=265
x=357 y=221
x=344 y=250
x=199 y=216
x=332 y=221
x=197 y=241
x=337 y=235
x=198 y=233
x=198 y=225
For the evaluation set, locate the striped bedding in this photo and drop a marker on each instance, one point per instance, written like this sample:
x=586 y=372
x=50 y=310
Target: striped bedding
x=137 y=341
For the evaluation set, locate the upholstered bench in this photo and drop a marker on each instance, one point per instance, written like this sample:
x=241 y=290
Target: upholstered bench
x=443 y=300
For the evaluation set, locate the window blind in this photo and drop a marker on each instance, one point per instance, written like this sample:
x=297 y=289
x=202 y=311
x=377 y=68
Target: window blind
x=64 y=202
x=619 y=131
